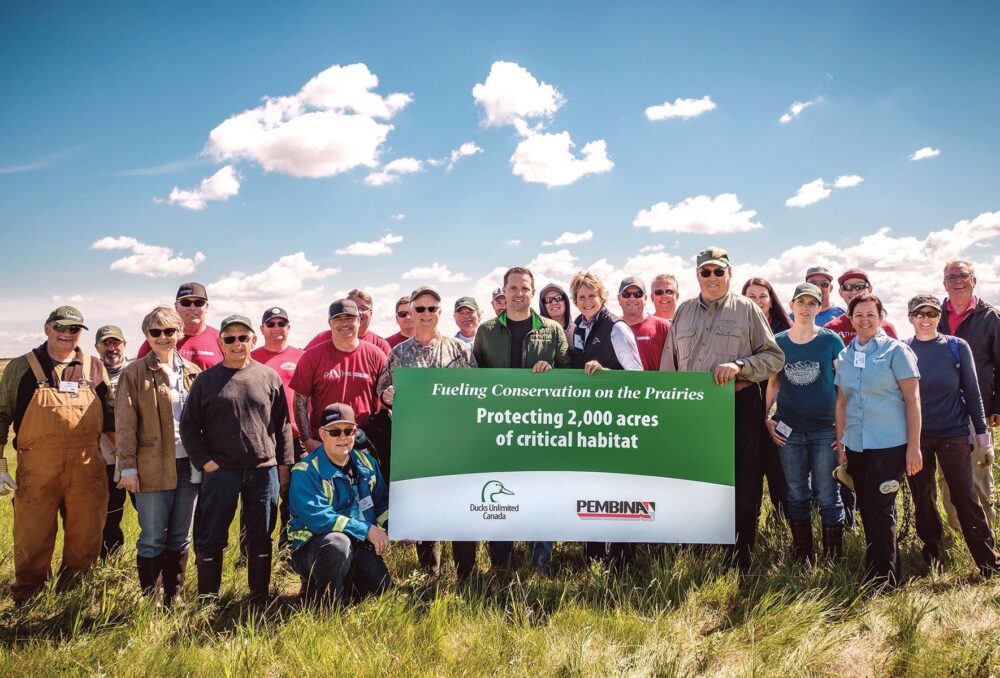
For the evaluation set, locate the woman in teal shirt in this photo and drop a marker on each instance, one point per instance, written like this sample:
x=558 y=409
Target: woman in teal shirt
x=878 y=428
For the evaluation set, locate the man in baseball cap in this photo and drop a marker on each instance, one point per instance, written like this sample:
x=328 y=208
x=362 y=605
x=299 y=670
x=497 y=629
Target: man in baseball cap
x=821 y=277
x=853 y=282
x=200 y=343
x=650 y=332
x=110 y=343
x=467 y=316
x=499 y=301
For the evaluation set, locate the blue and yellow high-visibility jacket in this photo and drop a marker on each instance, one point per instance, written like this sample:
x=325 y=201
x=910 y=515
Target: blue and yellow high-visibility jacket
x=321 y=498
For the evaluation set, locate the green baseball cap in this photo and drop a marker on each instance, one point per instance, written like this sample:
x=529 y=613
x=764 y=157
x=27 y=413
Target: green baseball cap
x=466 y=302
x=67 y=315
x=808 y=290
x=108 y=332
x=713 y=255
x=235 y=319
x=922 y=300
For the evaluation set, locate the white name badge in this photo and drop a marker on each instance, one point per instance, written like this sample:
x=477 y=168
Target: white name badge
x=859 y=359
x=366 y=503
x=69 y=386
x=783 y=429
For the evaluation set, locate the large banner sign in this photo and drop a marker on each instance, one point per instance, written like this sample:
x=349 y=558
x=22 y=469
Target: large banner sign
x=491 y=454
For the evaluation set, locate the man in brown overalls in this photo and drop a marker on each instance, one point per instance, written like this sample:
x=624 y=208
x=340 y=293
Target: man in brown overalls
x=58 y=400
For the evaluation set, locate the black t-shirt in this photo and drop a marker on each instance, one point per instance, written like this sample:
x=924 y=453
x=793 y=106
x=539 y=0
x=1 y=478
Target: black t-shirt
x=518 y=331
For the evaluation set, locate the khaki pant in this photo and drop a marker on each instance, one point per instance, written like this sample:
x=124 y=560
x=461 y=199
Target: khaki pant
x=982 y=481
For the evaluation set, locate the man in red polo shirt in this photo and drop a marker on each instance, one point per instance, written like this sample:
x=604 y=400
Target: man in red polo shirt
x=650 y=332
x=363 y=301
x=405 y=322
x=853 y=282
x=200 y=343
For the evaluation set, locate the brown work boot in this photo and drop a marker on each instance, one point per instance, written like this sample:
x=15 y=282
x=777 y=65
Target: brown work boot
x=802 y=540
x=833 y=542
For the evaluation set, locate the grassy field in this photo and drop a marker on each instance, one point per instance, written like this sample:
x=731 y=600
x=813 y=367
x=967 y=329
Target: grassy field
x=678 y=613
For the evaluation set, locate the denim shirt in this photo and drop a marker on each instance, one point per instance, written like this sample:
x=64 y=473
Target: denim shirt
x=876 y=412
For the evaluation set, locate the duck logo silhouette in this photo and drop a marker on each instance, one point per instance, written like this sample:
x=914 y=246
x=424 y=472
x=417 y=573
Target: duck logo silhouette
x=493 y=489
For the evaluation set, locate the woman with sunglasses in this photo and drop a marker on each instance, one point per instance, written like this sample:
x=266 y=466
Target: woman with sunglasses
x=878 y=424
x=153 y=463
x=553 y=302
x=949 y=399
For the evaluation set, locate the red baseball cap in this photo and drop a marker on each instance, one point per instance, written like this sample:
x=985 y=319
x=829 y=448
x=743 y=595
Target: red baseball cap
x=853 y=273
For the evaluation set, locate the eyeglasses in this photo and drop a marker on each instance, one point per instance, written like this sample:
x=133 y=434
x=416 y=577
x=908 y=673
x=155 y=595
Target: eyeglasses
x=337 y=432
x=364 y=309
x=155 y=332
x=276 y=323
x=709 y=272
x=243 y=338
x=925 y=314
x=188 y=303
x=65 y=329
x=112 y=343
x=854 y=287
x=426 y=309
x=669 y=293
x=819 y=283
x=638 y=294
x=955 y=277
x=553 y=299
x=402 y=314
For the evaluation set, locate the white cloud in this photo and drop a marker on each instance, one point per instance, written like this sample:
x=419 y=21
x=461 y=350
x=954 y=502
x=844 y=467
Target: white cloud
x=512 y=243
x=284 y=279
x=651 y=249
x=809 y=194
x=925 y=152
x=681 y=108
x=330 y=126
x=434 y=273
x=847 y=181
x=371 y=249
x=699 y=214
x=568 y=238
x=463 y=151
x=154 y=261
x=558 y=264
x=399 y=216
x=547 y=159
x=392 y=171
x=221 y=186
x=511 y=94
x=795 y=110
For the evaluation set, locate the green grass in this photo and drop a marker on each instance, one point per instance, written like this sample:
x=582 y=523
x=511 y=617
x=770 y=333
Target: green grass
x=680 y=613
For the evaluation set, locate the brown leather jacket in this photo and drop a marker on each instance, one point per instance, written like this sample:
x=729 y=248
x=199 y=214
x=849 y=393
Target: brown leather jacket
x=144 y=422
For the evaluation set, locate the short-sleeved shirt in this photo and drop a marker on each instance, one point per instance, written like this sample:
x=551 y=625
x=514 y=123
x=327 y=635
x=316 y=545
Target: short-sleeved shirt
x=369 y=337
x=284 y=363
x=844 y=328
x=807 y=398
x=876 y=412
x=201 y=349
x=326 y=375
x=396 y=339
x=650 y=335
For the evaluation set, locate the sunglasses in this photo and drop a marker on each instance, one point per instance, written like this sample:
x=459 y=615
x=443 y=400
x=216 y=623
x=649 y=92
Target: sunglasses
x=956 y=277
x=243 y=338
x=925 y=314
x=819 y=283
x=426 y=309
x=553 y=299
x=364 y=309
x=854 y=287
x=708 y=273
x=66 y=329
x=155 y=332
x=402 y=314
x=669 y=293
x=638 y=294
x=276 y=323
x=188 y=303
x=337 y=432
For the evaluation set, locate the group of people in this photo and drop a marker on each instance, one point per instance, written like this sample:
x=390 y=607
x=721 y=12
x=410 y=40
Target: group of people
x=830 y=407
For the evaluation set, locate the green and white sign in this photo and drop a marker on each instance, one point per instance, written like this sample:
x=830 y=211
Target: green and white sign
x=503 y=454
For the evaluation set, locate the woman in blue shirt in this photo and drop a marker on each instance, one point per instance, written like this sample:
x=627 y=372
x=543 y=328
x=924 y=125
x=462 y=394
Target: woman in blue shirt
x=878 y=428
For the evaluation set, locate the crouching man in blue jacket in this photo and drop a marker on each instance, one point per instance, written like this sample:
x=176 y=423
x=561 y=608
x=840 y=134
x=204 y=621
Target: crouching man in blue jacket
x=339 y=509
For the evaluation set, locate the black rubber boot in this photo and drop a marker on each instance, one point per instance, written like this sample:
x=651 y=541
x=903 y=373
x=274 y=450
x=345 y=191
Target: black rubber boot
x=149 y=569
x=259 y=576
x=209 y=575
x=174 y=566
x=802 y=540
x=833 y=542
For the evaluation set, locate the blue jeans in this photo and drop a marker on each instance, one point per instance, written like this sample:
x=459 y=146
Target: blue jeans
x=808 y=462
x=220 y=491
x=329 y=563
x=165 y=517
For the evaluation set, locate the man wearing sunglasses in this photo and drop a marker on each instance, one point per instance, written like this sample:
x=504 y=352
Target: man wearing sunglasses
x=650 y=332
x=467 y=316
x=200 y=343
x=59 y=402
x=665 y=294
x=968 y=317
x=275 y=327
x=853 y=282
x=821 y=277
x=236 y=431
x=366 y=308
x=727 y=335
x=429 y=348
x=404 y=321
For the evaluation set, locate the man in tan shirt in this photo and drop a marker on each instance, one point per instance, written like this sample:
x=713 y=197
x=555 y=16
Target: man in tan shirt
x=726 y=334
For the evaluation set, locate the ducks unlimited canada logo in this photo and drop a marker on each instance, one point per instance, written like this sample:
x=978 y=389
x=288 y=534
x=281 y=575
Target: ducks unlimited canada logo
x=492 y=505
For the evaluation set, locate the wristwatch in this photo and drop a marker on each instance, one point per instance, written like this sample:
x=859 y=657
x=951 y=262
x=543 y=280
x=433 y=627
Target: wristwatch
x=740 y=363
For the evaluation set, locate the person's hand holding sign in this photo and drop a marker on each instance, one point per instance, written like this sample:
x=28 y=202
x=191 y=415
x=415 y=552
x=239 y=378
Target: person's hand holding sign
x=541 y=366
x=378 y=538
x=592 y=366
x=387 y=395
x=725 y=372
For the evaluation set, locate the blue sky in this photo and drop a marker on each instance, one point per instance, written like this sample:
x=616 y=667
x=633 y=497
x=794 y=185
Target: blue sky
x=107 y=111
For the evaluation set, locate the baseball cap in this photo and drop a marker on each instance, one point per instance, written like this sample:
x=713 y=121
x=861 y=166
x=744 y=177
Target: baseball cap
x=425 y=289
x=632 y=281
x=498 y=292
x=274 y=312
x=819 y=270
x=923 y=300
x=807 y=290
x=337 y=413
x=713 y=255
x=108 y=332
x=67 y=315
x=192 y=289
x=466 y=302
x=853 y=273
x=235 y=319
x=344 y=307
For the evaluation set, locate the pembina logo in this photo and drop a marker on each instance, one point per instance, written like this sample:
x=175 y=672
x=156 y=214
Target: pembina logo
x=611 y=509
